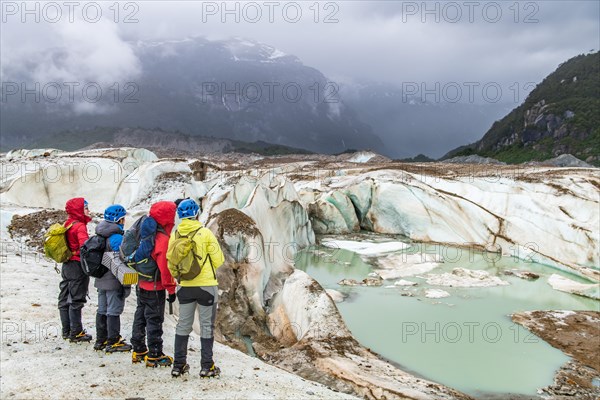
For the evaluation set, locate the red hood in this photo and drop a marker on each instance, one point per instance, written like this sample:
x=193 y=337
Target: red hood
x=74 y=209
x=163 y=213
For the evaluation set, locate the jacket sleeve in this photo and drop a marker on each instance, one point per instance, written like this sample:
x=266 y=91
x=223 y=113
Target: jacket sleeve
x=115 y=241
x=160 y=255
x=213 y=248
x=82 y=236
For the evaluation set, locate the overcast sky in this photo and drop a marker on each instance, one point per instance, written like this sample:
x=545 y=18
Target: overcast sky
x=388 y=41
x=377 y=41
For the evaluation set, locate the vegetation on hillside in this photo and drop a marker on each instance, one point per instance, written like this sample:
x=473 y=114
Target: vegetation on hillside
x=574 y=87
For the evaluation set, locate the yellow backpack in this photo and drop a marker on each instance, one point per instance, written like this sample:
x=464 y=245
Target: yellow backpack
x=55 y=243
x=184 y=258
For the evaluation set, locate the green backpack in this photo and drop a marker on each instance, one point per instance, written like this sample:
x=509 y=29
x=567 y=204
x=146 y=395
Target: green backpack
x=55 y=243
x=184 y=258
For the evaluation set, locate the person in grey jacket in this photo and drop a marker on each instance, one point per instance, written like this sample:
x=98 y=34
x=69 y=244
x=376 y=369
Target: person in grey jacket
x=111 y=293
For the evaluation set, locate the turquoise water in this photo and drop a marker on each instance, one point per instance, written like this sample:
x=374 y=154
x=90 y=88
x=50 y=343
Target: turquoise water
x=466 y=341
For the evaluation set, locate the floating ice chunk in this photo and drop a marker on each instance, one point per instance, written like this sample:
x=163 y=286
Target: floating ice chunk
x=403 y=265
x=436 y=294
x=409 y=270
x=402 y=282
x=349 y=282
x=462 y=277
x=527 y=275
x=370 y=281
x=365 y=248
x=569 y=286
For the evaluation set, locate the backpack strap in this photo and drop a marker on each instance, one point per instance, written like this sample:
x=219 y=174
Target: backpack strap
x=71 y=225
x=191 y=236
x=159 y=228
x=211 y=266
x=207 y=258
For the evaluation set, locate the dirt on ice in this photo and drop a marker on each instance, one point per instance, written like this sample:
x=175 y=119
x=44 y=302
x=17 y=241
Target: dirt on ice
x=32 y=226
x=577 y=334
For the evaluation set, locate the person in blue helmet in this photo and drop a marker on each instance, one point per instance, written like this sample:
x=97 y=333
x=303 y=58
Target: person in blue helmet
x=198 y=290
x=111 y=293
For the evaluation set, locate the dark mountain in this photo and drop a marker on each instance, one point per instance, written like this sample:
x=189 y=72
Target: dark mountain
x=163 y=143
x=410 y=125
x=560 y=116
x=235 y=89
x=419 y=158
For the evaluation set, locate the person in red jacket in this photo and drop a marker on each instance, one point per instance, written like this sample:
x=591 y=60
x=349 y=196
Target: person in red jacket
x=74 y=284
x=150 y=311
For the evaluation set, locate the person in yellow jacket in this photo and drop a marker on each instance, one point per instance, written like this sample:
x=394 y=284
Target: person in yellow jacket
x=200 y=291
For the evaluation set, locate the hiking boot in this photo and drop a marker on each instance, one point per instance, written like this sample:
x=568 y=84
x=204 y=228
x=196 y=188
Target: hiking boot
x=180 y=353
x=138 y=356
x=179 y=370
x=161 y=360
x=211 y=372
x=65 y=322
x=80 y=337
x=101 y=332
x=118 y=346
x=100 y=345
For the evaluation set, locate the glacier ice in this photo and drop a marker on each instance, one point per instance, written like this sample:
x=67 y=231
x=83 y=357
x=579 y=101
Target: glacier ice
x=365 y=248
x=462 y=277
x=550 y=217
x=570 y=286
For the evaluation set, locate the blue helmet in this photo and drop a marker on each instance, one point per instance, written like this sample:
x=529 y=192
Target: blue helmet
x=114 y=213
x=85 y=203
x=188 y=208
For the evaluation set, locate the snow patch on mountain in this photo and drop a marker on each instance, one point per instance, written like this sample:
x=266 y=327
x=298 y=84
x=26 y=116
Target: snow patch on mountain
x=361 y=157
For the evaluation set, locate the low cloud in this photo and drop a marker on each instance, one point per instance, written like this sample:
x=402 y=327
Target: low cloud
x=70 y=57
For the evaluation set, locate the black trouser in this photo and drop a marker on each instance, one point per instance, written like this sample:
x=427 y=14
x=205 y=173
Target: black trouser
x=72 y=296
x=149 y=317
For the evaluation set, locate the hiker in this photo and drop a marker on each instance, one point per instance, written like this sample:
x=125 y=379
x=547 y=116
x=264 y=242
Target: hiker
x=179 y=200
x=74 y=284
x=198 y=286
x=150 y=311
x=111 y=293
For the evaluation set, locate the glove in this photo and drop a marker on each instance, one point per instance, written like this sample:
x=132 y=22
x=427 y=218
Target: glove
x=172 y=297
